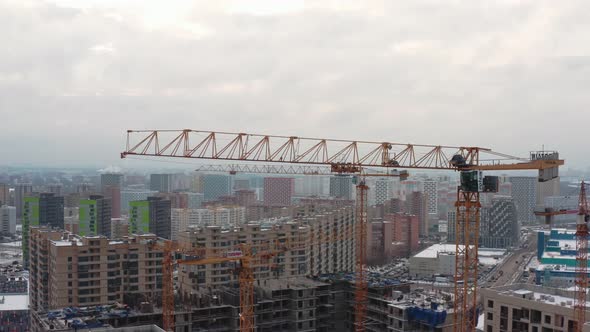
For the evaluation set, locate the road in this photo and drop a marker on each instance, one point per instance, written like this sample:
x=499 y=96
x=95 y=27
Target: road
x=514 y=265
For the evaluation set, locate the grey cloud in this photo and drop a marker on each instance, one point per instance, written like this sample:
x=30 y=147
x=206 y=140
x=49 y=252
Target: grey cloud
x=510 y=76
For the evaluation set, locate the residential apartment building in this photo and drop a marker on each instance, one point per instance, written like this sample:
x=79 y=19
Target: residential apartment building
x=71 y=270
x=151 y=216
x=524 y=307
x=278 y=191
x=341 y=186
x=182 y=219
x=7 y=220
x=41 y=209
x=524 y=192
x=215 y=186
x=314 y=245
x=95 y=216
x=499 y=224
x=161 y=182
x=20 y=192
x=128 y=196
x=110 y=186
x=4 y=194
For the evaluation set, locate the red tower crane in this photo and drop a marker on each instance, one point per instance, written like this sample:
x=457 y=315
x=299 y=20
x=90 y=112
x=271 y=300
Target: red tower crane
x=580 y=305
x=351 y=157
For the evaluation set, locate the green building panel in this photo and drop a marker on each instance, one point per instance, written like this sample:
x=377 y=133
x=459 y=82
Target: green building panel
x=139 y=217
x=88 y=214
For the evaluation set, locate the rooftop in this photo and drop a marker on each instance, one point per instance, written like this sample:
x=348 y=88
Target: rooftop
x=436 y=249
x=555 y=296
x=14 y=302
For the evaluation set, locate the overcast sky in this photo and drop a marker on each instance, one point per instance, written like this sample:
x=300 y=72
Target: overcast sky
x=508 y=75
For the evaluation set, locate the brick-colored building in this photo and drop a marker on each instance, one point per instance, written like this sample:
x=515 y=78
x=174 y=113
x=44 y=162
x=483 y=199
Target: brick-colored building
x=70 y=270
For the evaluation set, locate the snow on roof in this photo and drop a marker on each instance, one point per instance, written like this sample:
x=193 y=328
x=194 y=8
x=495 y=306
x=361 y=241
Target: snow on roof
x=434 y=250
x=14 y=302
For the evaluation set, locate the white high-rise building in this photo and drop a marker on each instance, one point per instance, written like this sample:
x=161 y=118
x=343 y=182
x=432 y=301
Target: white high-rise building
x=7 y=219
x=430 y=188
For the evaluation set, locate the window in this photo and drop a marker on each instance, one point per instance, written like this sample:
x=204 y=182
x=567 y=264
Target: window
x=547 y=319
x=490 y=316
x=489 y=328
x=490 y=304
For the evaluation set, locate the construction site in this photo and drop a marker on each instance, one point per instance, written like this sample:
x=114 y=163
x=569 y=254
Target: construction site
x=363 y=311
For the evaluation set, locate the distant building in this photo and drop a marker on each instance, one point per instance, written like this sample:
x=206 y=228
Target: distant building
x=245 y=197
x=20 y=192
x=215 y=186
x=128 y=196
x=95 y=216
x=341 y=186
x=416 y=204
x=400 y=235
x=119 y=228
x=524 y=192
x=110 y=186
x=4 y=194
x=7 y=220
x=44 y=209
x=451 y=225
x=278 y=191
x=499 y=224
x=220 y=216
x=151 y=216
x=161 y=182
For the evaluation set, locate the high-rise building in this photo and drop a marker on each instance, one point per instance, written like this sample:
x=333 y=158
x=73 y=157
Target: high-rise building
x=110 y=186
x=316 y=185
x=95 y=216
x=182 y=219
x=341 y=186
x=195 y=200
x=215 y=186
x=499 y=225
x=20 y=192
x=313 y=253
x=70 y=270
x=128 y=196
x=119 y=228
x=524 y=192
x=161 y=182
x=245 y=197
x=7 y=220
x=399 y=235
x=431 y=195
x=44 y=209
x=383 y=190
x=451 y=225
x=278 y=191
x=416 y=204
x=241 y=184
x=4 y=194
x=151 y=216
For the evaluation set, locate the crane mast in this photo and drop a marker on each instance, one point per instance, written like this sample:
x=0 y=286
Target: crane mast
x=581 y=281
x=351 y=157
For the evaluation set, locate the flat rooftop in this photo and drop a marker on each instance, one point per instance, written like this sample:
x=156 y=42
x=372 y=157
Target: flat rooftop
x=434 y=250
x=14 y=302
x=554 y=296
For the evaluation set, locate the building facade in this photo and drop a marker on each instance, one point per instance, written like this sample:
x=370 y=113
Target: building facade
x=215 y=186
x=43 y=209
x=95 y=216
x=7 y=220
x=70 y=270
x=278 y=191
x=161 y=182
x=151 y=216
x=341 y=186
x=524 y=192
